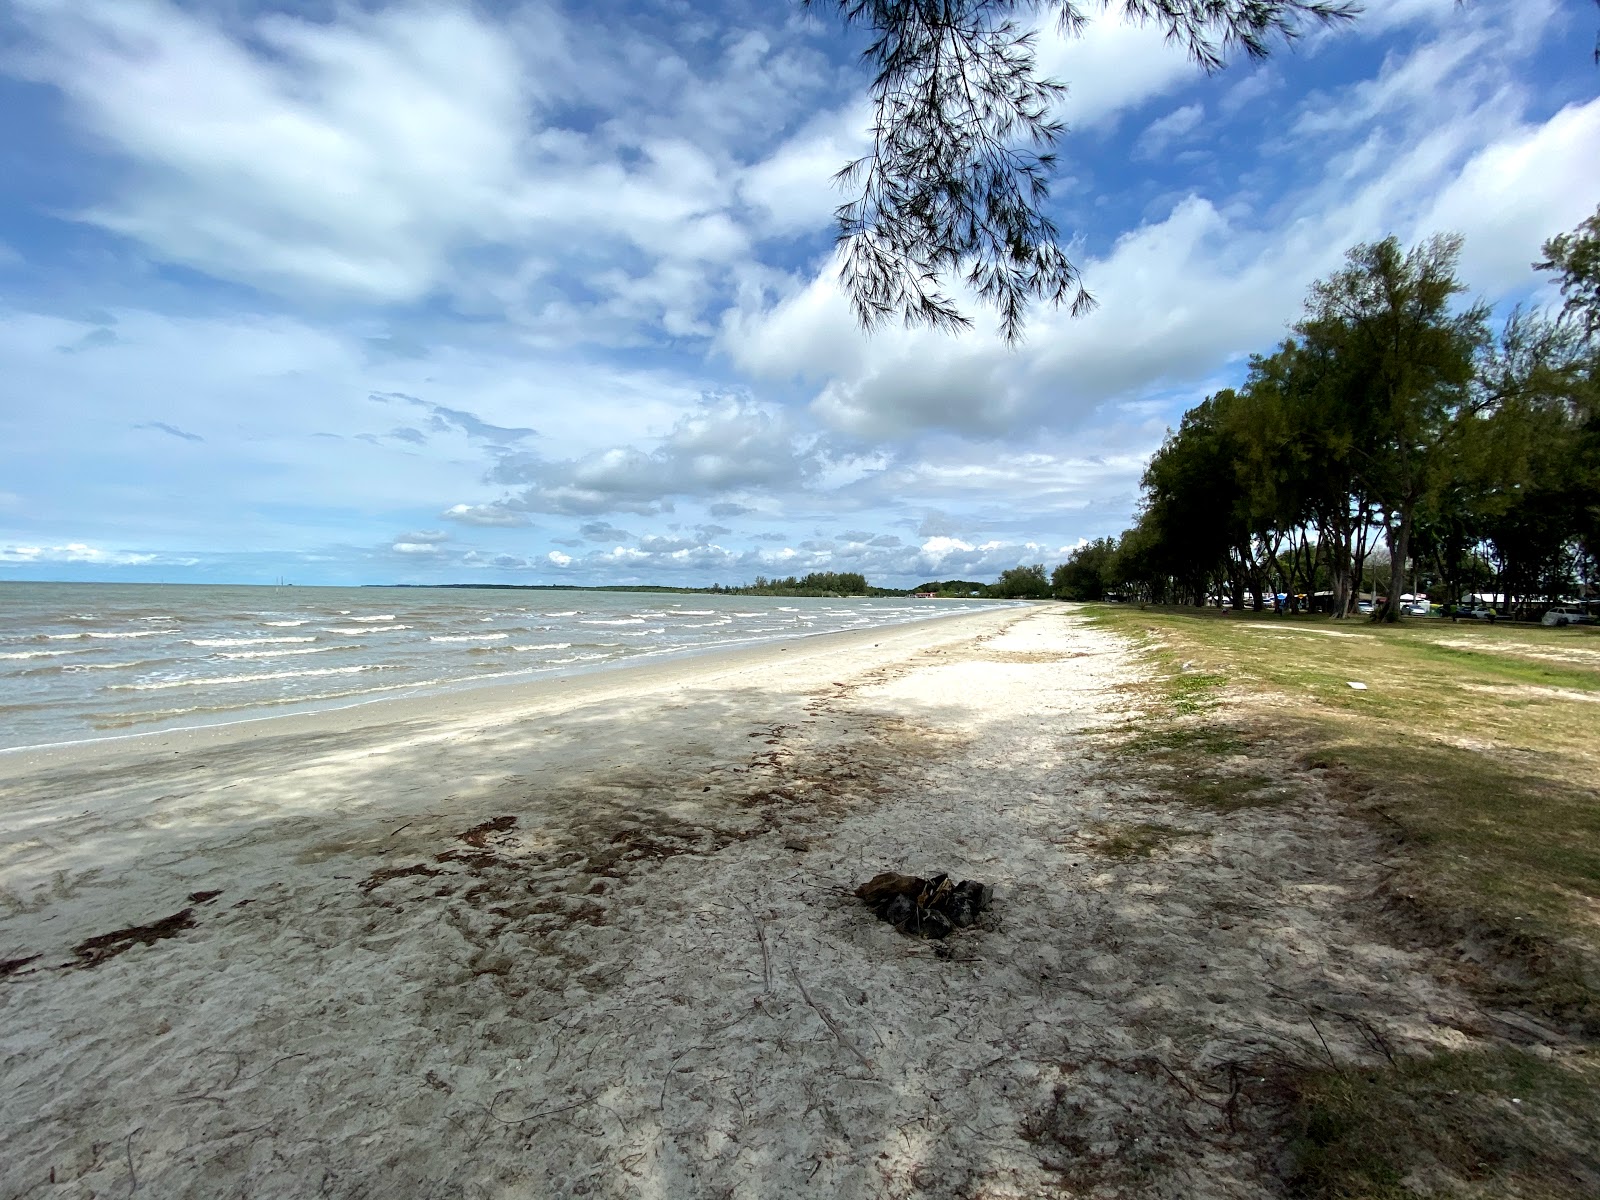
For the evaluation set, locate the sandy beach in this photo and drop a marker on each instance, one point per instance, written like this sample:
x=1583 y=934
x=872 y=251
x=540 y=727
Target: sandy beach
x=596 y=937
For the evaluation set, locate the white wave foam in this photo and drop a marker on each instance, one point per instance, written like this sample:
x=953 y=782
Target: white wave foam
x=219 y=679
x=284 y=624
x=96 y=633
x=74 y=668
x=40 y=654
x=346 y=631
x=284 y=653
x=373 y=620
x=256 y=641
x=544 y=646
x=619 y=621
x=571 y=612
x=468 y=637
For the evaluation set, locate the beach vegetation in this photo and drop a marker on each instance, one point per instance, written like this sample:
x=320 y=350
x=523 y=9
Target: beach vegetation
x=1395 y=456
x=952 y=589
x=818 y=583
x=1088 y=574
x=1469 y=758
x=1022 y=583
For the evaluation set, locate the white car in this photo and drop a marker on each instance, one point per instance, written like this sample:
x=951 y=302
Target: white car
x=1565 y=615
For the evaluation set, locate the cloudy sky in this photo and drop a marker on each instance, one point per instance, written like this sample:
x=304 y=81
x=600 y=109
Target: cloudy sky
x=525 y=292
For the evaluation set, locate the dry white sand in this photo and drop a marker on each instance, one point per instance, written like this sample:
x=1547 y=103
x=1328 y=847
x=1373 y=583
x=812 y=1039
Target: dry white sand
x=655 y=982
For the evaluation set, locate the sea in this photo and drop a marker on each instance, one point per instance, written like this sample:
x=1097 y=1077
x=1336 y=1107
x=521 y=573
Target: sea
x=81 y=661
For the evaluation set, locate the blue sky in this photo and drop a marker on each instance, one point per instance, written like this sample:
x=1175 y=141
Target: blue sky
x=524 y=293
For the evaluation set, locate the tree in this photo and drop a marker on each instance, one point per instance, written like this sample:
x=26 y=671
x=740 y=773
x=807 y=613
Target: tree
x=1403 y=364
x=1028 y=583
x=958 y=175
x=1575 y=259
x=1089 y=572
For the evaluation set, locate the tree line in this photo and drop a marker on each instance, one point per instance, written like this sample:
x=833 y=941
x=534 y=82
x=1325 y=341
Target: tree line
x=817 y=583
x=1395 y=422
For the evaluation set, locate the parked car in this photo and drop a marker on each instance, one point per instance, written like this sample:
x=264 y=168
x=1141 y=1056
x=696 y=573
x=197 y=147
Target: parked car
x=1476 y=612
x=1419 y=608
x=1563 y=615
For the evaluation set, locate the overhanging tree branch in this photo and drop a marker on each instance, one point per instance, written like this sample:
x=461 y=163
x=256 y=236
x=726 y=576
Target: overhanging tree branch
x=958 y=176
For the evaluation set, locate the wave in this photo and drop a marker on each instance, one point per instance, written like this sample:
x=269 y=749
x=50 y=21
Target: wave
x=344 y=631
x=106 y=634
x=218 y=679
x=77 y=668
x=284 y=624
x=571 y=612
x=74 y=668
x=40 y=654
x=283 y=653
x=256 y=641
x=468 y=637
x=544 y=646
x=618 y=621
x=372 y=620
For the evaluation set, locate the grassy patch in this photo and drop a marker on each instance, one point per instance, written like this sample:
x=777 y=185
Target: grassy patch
x=1473 y=1124
x=1174 y=741
x=1476 y=744
x=1193 y=693
x=1475 y=748
x=1225 y=792
x=1135 y=841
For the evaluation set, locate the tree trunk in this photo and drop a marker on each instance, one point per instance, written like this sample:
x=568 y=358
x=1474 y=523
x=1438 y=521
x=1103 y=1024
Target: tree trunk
x=1399 y=546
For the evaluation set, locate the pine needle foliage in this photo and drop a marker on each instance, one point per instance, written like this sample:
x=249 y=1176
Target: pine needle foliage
x=958 y=177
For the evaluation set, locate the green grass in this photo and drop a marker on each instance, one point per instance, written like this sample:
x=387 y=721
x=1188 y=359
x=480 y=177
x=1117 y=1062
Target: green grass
x=1140 y=840
x=1470 y=1124
x=1476 y=748
x=1484 y=754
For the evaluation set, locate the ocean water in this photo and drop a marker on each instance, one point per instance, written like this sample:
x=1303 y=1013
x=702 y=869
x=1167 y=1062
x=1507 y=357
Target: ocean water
x=83 y=661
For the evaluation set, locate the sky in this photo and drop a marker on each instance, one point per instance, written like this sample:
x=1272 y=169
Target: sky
x=518 y=292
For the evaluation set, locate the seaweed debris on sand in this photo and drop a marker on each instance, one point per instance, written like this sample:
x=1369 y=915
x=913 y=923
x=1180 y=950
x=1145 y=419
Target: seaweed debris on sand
x=918 y=907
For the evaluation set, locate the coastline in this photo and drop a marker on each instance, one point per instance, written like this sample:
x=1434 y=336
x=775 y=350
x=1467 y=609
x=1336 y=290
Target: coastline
x=461 y=698
x=596 y=936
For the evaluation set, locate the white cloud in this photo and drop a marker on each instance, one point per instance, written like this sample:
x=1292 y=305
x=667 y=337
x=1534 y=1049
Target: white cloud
x=1161 y=133
x=793 y=188
x=726 y=443
x=484 y=514
x=388 y=156
x=1113 y=68
x=73 y=552
x=559 y=559
x=1536 y=181
x=352 y=157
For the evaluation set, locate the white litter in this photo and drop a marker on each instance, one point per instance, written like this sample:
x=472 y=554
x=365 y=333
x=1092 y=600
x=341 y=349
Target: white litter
x=1360 y=687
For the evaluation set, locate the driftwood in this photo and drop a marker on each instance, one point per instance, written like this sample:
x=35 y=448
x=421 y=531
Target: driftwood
x=918 y=907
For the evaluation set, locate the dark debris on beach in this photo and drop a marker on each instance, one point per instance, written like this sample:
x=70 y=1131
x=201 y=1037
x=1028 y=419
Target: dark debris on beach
x=927 y=908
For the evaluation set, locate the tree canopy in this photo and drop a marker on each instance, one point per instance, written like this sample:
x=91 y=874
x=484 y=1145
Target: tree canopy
x=1393 y=444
